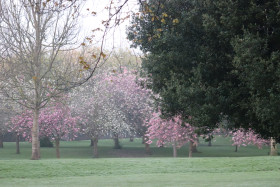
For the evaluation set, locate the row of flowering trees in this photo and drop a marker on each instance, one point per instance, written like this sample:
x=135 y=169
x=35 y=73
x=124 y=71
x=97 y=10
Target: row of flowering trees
x=110 y=104
x=177 y=133
x=114 y=104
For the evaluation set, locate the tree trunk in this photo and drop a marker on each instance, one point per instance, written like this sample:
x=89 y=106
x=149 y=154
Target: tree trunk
x=143 y=140
x=131 y=139
x=95 y=148
x=174 y=150
x=35 y=136
x=57 y=148
x=236 y=148
x=17 y=144
x=194 y=148
x=210 y=143
x=147 y=146
x=190 y=149
x=273 y=147
x=117 y=142
x=91 y=142
x=1 y=141
x=147 y=149
x=37 y=88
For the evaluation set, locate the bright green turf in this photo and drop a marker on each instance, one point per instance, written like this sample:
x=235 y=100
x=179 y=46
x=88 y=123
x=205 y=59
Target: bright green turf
x=248 y=167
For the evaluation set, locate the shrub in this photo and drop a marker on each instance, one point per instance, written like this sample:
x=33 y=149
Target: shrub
x=45 y=142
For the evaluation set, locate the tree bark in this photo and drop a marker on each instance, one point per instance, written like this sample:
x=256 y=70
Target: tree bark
x=273 y=147
x=194 y=148
x=37 y=88
x=143 y=140
x=17 y=144
x=236 y=148
x=147 y=149
x=117 y=142
x=1 y=141
x=210 y=143
x=35 y=136
x=131 y=138
x=95 y=148
x=147 y=146
x=174 y=150
x=57 y=148
x=190 y=149
x=91 y=142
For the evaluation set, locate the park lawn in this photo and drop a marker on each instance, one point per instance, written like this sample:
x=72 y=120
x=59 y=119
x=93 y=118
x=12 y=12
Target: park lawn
x=241 y=171
x=218 y=165
x=81 y=150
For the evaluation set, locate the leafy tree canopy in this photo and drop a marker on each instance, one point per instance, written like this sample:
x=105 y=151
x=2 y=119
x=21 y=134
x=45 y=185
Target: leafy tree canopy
x=213 y=60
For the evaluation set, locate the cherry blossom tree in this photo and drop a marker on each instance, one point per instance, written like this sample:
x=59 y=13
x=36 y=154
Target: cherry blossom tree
x=133 y=100
x=94 y=103
x=171 y=131
x=54 y=121
x=241 y=137
x=112 y=103
x=21 y=125
x=58 y=123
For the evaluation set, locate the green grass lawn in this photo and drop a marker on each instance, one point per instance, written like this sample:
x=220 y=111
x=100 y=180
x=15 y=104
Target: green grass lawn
x=81 y=149
x=218 y=165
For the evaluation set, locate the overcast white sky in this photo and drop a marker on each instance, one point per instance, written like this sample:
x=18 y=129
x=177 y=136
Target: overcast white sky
x=117 y=37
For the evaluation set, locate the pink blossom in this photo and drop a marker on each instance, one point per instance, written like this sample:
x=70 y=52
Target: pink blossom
x=55 y=122
x=241 y=137
x=170 y=131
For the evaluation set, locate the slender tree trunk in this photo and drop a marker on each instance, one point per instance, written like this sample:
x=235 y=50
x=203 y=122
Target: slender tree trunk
x=39 y=151
x=57 y=148
x=91 y=142
x=174 y=150
x=273 y=147
x=143 y=140
x=147 y=149
x=1 y=141
x=194 y=148
x=17 y=144
x=210 y=143
x=236 y=148
x=131 y=139
x=35 y=136
x=37 y=87
x=116 y=141
x=147 y=146
x=95 y=148
x=190 y=149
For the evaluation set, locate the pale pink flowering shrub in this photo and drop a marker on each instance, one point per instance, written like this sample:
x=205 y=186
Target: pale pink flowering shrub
x=241 y=137
x=22 y=124
x=55 y=122
x=170 y=131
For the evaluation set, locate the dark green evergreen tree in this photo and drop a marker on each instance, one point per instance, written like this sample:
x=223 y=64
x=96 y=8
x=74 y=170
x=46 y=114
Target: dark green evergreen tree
x=213 y=60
